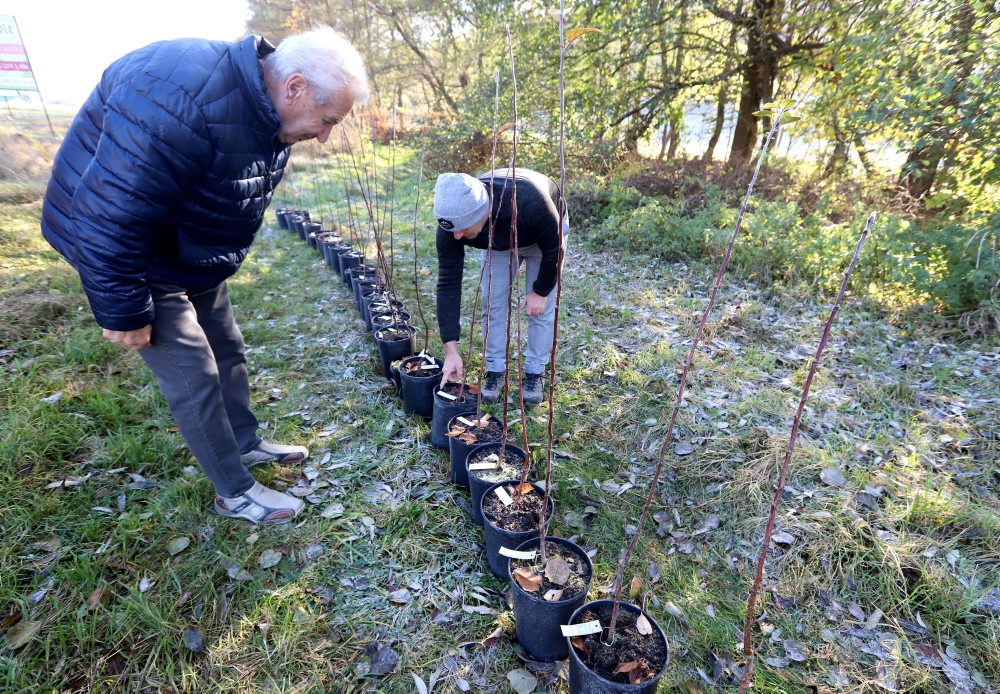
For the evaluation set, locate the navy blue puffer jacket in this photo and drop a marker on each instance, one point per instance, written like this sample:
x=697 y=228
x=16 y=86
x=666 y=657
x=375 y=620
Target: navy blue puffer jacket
x=165 y=173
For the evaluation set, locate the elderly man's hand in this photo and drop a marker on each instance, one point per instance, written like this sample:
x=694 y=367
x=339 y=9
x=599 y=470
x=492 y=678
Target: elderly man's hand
x=533 y=304
x=130 y=339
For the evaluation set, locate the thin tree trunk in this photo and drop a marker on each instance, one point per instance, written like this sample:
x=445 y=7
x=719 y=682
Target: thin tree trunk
x=760 y=67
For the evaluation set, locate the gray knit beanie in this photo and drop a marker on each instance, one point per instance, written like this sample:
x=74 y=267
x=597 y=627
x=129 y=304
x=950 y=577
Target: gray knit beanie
x=459 y=201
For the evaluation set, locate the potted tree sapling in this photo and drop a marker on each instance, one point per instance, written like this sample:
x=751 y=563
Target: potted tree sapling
x=550 y=576
x=748 y=627
x=616 y=646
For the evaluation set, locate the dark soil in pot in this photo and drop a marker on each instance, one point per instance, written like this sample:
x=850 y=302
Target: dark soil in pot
x=593 y=662
x=506 y=468
x=418 y=375
x=449 y=401
x=385 y=320
x=510 y=524
x=464 y=434
x=545 y=596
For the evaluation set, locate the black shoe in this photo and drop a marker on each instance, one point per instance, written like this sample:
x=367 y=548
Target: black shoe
x=493 y=385
x=533 y=389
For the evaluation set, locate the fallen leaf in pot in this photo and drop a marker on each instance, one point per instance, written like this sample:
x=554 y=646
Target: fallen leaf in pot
x=643 y=626
x=626 y=667
x=527 y=579
x=557 y=571
x=580 y=645
x=553 y=595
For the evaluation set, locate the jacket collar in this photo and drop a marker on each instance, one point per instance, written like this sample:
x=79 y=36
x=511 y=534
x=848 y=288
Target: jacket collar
x=246 y=56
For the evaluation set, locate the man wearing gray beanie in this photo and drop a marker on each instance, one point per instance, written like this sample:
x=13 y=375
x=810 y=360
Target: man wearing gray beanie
x=478 y=212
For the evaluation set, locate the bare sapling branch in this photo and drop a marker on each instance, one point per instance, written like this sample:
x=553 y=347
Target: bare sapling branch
x=416 y=272
x=623 y=563
x=543 y=524
x=752 y=600
x=512 y=267
x=487 y=266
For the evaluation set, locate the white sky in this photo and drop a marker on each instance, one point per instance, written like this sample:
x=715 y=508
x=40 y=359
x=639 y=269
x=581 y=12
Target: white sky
x=70 y=42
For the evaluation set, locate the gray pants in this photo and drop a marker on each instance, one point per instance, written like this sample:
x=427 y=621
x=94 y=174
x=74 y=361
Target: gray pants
x=197 y=356
x=540 y=328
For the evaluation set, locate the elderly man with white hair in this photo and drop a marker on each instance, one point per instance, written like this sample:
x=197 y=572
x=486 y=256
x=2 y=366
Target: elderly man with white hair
x=156 y=194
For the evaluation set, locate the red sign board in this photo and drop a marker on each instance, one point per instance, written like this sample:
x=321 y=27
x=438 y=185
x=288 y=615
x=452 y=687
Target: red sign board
x=15 y=70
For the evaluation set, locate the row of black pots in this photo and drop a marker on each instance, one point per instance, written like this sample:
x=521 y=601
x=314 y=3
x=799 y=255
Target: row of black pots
x=538 y=621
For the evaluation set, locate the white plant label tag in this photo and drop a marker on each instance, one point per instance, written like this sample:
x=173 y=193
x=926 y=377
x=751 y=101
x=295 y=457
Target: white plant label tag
x=514 y=554
x=584 y=629
x=466 y=422
x=483 y=466
x=503 y=496
x=446 y=396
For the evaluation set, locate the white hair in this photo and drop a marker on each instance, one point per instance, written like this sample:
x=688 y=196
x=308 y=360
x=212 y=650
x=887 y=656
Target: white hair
x=326 y=59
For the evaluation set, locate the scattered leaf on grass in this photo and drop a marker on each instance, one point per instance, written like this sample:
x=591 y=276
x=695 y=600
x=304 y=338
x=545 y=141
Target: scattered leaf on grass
x=145 y=584
x=21 y=633
x=269 y=558
x=796 y=650
x=522 y=681
x=400 y=597
x=683 y=448
x=193 y=640
x=527 y=579
x=557 y=571
x=49 y=544
x=643 y=626
x=98 y=597
x=237 y=574
x=419 y=683
x=833 y=477
x=635 y=588
x=178 y=545
x=782 y=538
x=383 y=659
x=333 y=510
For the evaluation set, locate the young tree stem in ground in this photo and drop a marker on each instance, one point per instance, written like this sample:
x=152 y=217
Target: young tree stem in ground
x=513 y=263
x=751 y=602
x=416 y=272
x=620 y=577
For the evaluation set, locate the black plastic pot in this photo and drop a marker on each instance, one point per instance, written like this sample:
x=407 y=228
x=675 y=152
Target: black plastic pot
x=445 y=409
x=378 y=304
x=418 y=390
x=390 y=350
x=384 y=319
x=458 y=451
x=348 y=260
x=477 y=485
x=282 y=216
x=497 y=537
x=365 y=283
x=368 y=297
x=538 y=621
x=328 y=243
x=295 y=222
x=339 y=253
x=583 y=680
x=312 y=230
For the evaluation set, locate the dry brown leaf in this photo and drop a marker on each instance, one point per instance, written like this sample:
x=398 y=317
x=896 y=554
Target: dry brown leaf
x=468 y=438
x=635 y=588
x=640 y=674
x=557 y=571
x=643 y=626
x=527 y=579
x=626 y=667
x=493 y=638
x=553 y=595
x=99 y=597
x=456 y=431
x=524 y=488
x=579 y=644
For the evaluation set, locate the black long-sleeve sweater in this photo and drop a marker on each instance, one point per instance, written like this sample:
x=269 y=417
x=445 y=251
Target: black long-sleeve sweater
x=537 y=223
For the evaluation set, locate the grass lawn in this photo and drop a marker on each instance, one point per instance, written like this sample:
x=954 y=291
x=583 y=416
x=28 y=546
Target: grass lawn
x=115 y=575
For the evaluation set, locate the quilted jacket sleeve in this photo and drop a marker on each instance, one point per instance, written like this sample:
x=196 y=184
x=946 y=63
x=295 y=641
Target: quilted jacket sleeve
x=153 y=144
